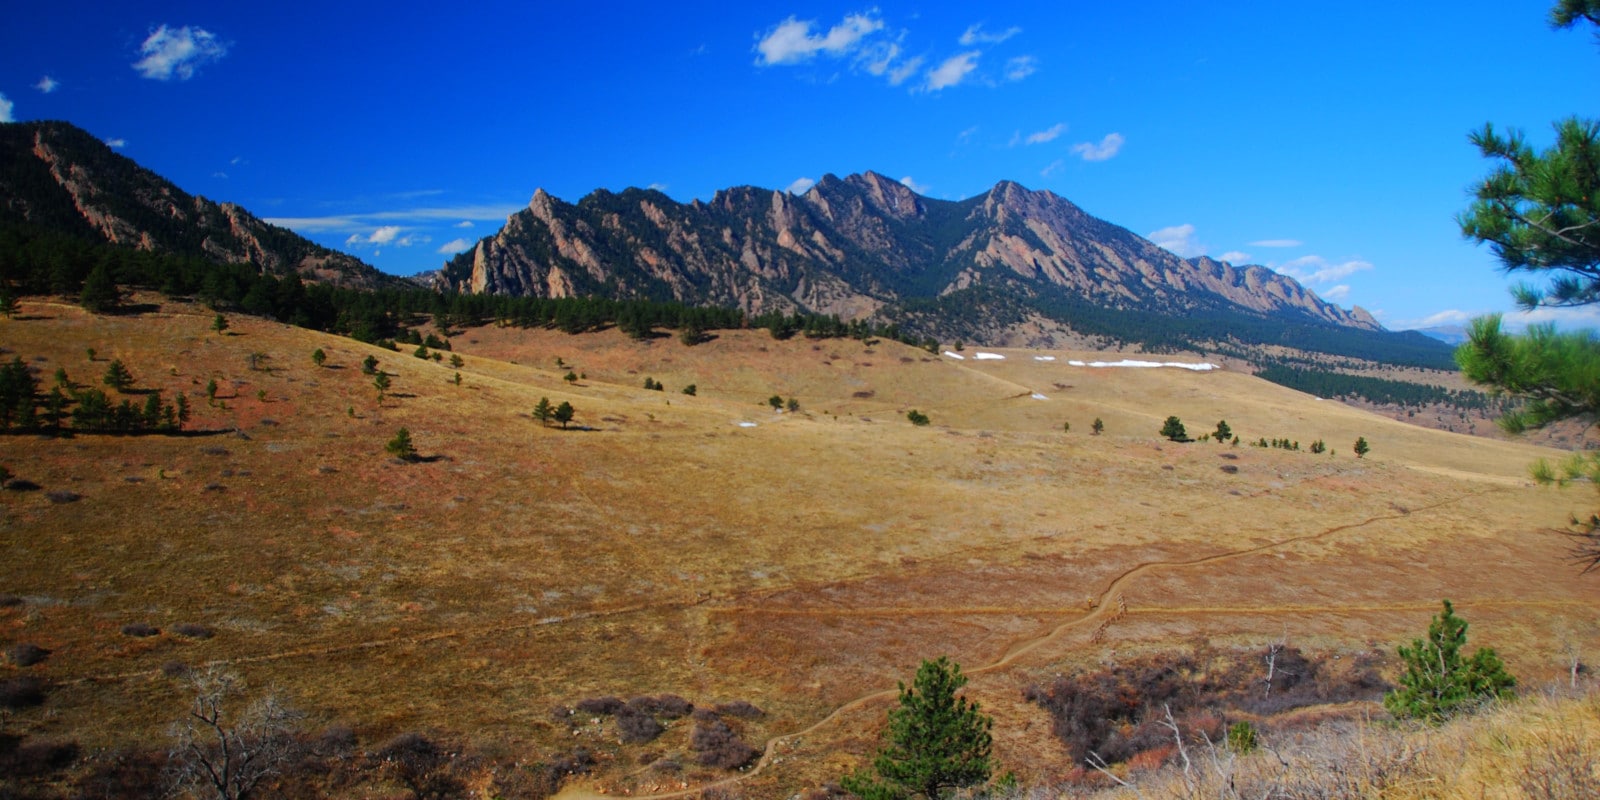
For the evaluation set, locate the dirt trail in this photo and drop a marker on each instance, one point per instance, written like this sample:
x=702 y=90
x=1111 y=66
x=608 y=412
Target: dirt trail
x=1105 y=607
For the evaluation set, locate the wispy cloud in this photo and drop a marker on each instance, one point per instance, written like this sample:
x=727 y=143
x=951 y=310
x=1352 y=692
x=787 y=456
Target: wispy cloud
x=919 y=188
x=1054 y=167
x=116 y=143
x=1235 y=257
x=791 y=41
x=362 y=221
x=219 y=174
x=1339 y=292
x=453 y=246
x=975 y=34
x=466 y=223
x=387 y=235
x=659 y=187
x=953 y=71
x=47 y=84
x=1021 y=67
x=800 y=186
x=1178 y=239
x=1277 y=243
x=1515 y=320
x=178 y=52
x=1049 y=134
x=1315 y=270
x=5 y=109
x=1106 y=149
x=965 y=136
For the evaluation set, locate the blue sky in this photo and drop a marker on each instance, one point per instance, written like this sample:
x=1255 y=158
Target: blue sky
x=1328 y=142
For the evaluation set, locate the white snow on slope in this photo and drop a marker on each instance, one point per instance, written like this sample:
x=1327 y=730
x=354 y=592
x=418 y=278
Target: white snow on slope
x=956 y=356
x=989 y=357
x=1128 y=362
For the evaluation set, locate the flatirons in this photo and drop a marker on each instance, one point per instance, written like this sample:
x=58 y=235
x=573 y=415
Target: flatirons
x=866 y=245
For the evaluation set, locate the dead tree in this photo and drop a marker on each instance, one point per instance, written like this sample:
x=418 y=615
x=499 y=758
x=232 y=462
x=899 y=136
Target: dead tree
x=229 y=756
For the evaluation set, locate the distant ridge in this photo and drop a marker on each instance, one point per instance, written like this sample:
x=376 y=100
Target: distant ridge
x=57 y=177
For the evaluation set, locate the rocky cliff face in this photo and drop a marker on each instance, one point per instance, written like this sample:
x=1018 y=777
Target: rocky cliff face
x=55 y=175
x=854 y=246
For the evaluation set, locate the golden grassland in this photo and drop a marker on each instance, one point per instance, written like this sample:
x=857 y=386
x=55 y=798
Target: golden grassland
x=804 y=564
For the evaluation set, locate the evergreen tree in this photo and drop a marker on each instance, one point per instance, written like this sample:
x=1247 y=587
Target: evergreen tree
x=181 y=404
x=1097 y=426
x=917 y=417
x=938 y=741
x=793 y=405
x=1223 y=432
x=99 y=291
x=456 y=362
x=219 y=323
x=542 y=411
x=571 y=377
x=318 y=357
x=381 y=383
x=369 y=365
x=1361 y=447
x=563 y=414
x=401 y=447
x=1173 y=429
x=1438 y=681
x=211 y=390
x=117 y=376
x=775 y=401
x=690 y=390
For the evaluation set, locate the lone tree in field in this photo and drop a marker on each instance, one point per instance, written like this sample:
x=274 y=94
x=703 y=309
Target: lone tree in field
x=1438 y=682
x=1097 y=426
x=917 y=417
x=401 y=447
x=1539 y=212
x=318 y=357
x=1223 y=432
x=1361 y=447
x=563 y=414
x=1173 y=429
x=219 y=323
x=937 y=740
x=381 y=383
x=543 y=411
x=369 y=365
x=117 y=376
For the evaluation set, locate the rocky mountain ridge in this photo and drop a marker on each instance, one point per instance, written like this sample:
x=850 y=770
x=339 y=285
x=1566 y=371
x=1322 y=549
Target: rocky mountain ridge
x=856 y=247
x=54 y=175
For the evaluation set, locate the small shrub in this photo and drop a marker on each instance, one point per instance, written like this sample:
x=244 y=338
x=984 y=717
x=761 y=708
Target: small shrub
x=637 y=727
x=718 y=746
x=1242 y=737
x=602 y=706
x=663 y=705
x=26 y=654
x=741 y=709
x=23 y=691
x=690 y=390
x=140 y=630
x=917 y=417
x=193 y=630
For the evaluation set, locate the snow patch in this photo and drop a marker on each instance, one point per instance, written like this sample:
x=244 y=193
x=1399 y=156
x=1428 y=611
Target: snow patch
x=1128 y=362
x=1038 y=396
x=747 y=424
x=1044 y=358
x=989 y=357
x=956 y=356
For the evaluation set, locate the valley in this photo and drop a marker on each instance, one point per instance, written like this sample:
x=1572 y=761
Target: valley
x=709 y=547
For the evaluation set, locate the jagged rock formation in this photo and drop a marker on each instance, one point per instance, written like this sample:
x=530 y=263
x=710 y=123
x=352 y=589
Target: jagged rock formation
x=57 y=176
x=855 y=246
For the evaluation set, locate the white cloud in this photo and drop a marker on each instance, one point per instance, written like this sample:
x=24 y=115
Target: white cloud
x=1316 y=269
x=1339 y=292
x=791 y=41
x=909 y=67
x=800 y=186
x=1566 y=318
x=1021 y=67
x=47 y=84
x=1106 y=149
x=219 y=174
x=1178 y=239
x=178 y=52
x=1235 y=257
x=362 y=221
x=236 y=160
x=386 y=235
x=1049 y=134
x=659 y=187
x=116 y=143
x=466 y=223
x=1054 y=167
x=454 y=246
x=953 y=71
x=965 y=136
x=5 y=109
x=919 y=188
x=1277 y=243
x=977 y=35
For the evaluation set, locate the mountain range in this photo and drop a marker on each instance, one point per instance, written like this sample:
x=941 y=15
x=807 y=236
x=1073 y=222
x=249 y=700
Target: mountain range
x=1009 y=266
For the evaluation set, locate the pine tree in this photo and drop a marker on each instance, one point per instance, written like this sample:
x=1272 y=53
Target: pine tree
x=1173 y=429
x=99 y=291
x=542 y=411
x=401 y=447
x=381 y=383
x=1438 y=682
x=1361 y=447
x=563 y=414
x=219 y=323
x=1097 y=426
x=117 y=376
x=318 y=357
x=937 y=740
x=1223 y=433
x=369 y=365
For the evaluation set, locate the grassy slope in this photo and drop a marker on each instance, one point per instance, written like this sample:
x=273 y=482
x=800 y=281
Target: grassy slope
x=801 y=564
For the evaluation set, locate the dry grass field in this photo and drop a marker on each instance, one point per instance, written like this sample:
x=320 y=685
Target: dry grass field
x=709 y=547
